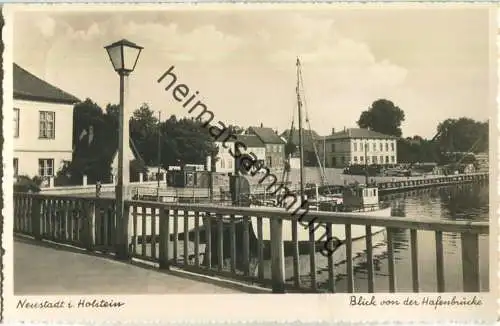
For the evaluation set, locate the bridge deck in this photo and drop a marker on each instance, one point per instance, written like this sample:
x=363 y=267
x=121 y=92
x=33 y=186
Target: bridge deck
x=40 y=269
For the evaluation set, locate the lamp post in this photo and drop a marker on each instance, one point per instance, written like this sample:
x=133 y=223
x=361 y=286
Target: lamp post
x=123 y=55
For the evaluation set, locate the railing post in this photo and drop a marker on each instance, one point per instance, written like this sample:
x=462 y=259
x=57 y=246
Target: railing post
x=164 y=238
x=470 y=262
x=121 y=234
x=36 y=218
x=277 y=256
x=90 y=214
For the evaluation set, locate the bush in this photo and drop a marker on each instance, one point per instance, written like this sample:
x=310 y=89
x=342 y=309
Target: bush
x=26 y=184
x=136 y=167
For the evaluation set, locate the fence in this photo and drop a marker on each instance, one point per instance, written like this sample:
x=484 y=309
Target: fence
x=217 y=240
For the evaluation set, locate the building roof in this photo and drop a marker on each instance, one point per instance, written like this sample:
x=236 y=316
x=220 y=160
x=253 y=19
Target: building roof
x=266 y=135
x=29 y=87
x=306 y=136
x=250 y=141
x=359 y=133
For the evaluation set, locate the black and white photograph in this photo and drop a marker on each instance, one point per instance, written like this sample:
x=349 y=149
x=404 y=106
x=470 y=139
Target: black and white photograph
x=341 y=151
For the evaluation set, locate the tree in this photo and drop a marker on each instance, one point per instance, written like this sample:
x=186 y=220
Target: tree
x=184 y=141
x=416 y=149
x=384 y=117
x=93 y=139
x=144 y=133
x=463 y=135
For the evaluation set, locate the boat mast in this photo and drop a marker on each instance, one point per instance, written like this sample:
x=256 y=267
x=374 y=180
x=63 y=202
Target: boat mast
x=301 y=147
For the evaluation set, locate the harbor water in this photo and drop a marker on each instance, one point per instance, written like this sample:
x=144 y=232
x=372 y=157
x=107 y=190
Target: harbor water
x=468 y=202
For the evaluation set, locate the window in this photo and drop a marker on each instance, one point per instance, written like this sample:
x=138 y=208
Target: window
x=16 y=123
x=392 y=159
x=374 y=146
x=230 y=165
x=356 y=159
x=279 y=148
x=381 y=147
x=46 y=167
x=222 y=163
x=392 y=147
x=381 y=159
x=269 y=162
x=355 y=147
x=16 y=166
x=386 y=147
x=333 y=147
x=47 y=124
x=361 y=158
x=387 y=159
x=374 y=159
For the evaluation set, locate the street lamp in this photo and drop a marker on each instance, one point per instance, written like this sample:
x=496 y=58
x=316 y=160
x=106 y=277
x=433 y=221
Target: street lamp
x=123 y=55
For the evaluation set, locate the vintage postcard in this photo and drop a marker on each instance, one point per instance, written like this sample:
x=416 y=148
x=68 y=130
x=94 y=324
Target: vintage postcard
x=250 y=163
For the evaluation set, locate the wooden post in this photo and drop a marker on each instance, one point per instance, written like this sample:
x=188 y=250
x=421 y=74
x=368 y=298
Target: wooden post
x=121 y=234
x=164 y=238
x=36 y=218
x=470 y=262
x=89 y=224
x=277 y=256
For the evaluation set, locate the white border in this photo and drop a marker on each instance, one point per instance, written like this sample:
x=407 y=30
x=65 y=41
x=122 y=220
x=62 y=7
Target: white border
x=238 y=307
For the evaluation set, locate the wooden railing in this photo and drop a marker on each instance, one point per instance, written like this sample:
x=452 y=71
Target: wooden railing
x=221 y=240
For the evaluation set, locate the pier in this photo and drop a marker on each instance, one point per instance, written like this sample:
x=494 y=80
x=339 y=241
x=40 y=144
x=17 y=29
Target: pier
x=215 y=240
x=430 y=181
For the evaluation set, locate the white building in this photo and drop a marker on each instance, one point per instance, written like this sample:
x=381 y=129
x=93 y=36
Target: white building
x=225 y=161
x=358 y=146
x=43 y=125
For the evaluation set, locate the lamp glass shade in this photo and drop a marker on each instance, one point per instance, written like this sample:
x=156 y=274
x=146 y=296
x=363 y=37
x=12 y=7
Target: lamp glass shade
x=130 y=57
x=115 y=54
x=123 y=55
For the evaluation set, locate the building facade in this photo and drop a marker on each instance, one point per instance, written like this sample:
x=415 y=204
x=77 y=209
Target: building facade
x=225 y=161
x=255 y=146
x=274 y=146
x=358 y=146
x=43 y=125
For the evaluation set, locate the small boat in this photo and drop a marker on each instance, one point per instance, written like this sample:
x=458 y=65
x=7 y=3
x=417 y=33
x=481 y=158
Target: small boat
x=356 y=200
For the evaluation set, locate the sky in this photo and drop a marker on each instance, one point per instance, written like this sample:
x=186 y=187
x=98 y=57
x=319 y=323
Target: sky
x=432 y=63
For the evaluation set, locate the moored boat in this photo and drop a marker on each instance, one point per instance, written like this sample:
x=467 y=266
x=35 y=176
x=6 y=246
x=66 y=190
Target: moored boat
x=356 y=200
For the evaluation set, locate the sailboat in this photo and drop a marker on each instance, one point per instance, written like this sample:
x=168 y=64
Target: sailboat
x=354 y=199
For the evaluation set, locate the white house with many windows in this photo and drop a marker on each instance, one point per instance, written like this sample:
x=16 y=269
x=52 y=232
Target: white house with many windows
x=43 y=125
x=358 y=146
x=225 y=161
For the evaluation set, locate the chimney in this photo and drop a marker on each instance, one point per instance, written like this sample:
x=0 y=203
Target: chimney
x=333 y=131
x=261 y=125
x=344 y=129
